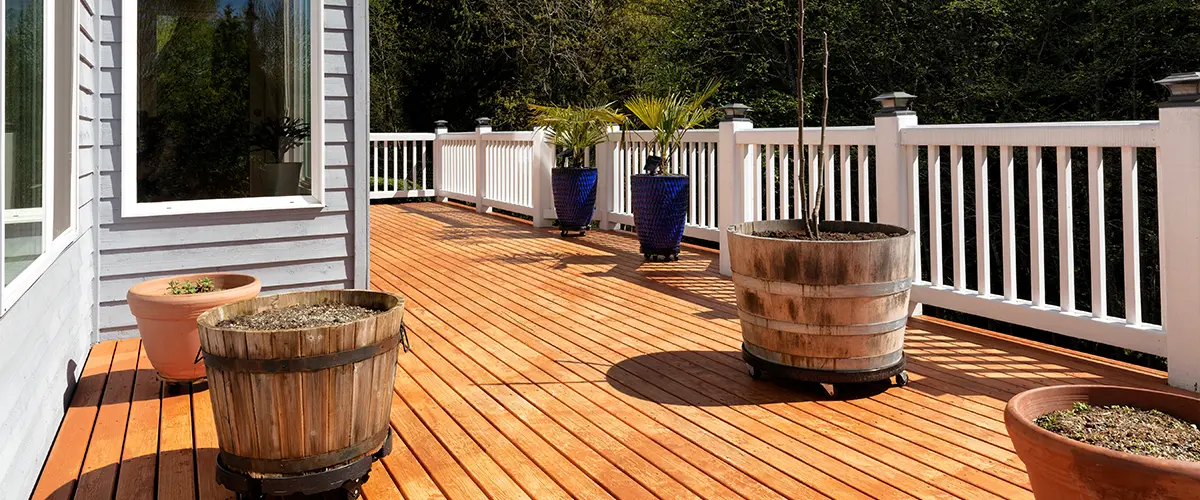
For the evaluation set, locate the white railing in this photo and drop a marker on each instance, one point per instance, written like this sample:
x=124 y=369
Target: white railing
x=509 y=170
x=770 y=154
x=457 y=173
x=696 y=158
x=1024 y=155
x=401 y=165
x=989 y=204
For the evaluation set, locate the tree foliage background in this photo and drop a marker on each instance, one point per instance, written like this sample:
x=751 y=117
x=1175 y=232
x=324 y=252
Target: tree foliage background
x=968 y=60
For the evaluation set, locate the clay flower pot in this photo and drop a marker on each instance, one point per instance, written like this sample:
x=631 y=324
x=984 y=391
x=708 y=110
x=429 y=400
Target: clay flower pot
x=167 y=322
x=1061 y=468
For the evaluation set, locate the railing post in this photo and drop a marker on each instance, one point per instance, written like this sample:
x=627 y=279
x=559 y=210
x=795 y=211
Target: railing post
x=482 y=126
x=1178 y=232
x=543 y=161
x=734 y=200
x=440 y=128
x=893 y=184
x=606 y=157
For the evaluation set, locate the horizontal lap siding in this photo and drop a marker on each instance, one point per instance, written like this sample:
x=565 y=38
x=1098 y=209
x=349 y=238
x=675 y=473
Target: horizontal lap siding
x=47 y=332
x=288 y=250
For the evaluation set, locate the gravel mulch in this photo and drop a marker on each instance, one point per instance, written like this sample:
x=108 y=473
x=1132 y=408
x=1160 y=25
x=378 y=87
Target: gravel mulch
x=300 y=316
x=1132 y=430
x=825 y=235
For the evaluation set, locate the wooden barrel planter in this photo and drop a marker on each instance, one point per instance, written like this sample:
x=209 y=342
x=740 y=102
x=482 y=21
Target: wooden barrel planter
x=296 y=404
x=822 y=311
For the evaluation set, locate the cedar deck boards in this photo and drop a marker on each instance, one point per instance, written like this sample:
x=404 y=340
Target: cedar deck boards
x=554 y=368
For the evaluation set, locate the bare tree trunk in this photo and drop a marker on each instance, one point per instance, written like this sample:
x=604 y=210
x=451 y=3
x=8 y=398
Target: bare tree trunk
x=801 y=177
x=824 y=122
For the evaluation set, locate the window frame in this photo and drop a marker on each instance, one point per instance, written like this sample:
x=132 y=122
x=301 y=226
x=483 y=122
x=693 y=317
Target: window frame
x=132 y=208
x=52 y=246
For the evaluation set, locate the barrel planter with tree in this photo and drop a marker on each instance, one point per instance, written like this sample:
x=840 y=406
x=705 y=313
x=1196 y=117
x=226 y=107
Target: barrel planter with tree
x=821 y=301
x=301 y=386
x=659 y=198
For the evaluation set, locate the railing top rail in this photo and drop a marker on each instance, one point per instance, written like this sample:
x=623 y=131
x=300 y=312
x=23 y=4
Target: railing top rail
x=696 y=135
x=459 y=135
x=402 y=136
x=509 y=136
x=1075 y=134
x=812 y=135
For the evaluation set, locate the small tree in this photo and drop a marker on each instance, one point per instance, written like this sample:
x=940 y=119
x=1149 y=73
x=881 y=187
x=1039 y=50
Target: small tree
x=575 y=129
x=810 y=206
x=670 y=117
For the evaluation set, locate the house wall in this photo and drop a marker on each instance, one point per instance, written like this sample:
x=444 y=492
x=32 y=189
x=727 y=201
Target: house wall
x=287 y=249
x=48 y=331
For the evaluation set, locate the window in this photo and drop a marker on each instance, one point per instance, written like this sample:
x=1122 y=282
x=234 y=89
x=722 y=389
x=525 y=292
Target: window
x=37 y=176
x=225 y=117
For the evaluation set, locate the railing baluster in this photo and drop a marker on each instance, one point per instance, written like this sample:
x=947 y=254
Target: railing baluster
x=424 y=166
x=785 y=182
x=712 y=185
x=913 y=174
x=844 y=159
x=375 y=165
x=814 y=176
x=1096 y=231
x=829 y=165
x=770 y=195
x=864 y=184
x=1132 y=232
x=957 y=222
x=983 y=228
x=693 y=179
x=1008 y=230
x=933 y=161
x=1037 y=240
x=759 y=169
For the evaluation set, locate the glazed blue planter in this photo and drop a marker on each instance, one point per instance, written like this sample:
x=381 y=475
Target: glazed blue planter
x=574 y=196
x=660 y=206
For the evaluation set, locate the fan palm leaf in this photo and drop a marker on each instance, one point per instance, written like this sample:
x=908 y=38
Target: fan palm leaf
x=575 y=129
x=671 y=116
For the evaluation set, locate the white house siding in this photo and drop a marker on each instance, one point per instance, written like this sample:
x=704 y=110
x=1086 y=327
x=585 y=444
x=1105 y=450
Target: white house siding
x=47 y=333
x=288 y=250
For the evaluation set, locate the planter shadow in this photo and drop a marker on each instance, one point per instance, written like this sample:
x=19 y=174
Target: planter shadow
x=714 y=379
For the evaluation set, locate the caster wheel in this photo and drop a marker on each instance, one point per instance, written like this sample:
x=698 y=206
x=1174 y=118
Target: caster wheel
x=249 y=496
x=675 y=257
x=353 y=490
x=583 y=233
x=754 y=372
x=646 y=256
x=174 y=388
x=902 y=379
x=562 y=234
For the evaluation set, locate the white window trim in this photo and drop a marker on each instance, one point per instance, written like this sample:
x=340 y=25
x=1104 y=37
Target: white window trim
x=53 y=247
x=130 y=207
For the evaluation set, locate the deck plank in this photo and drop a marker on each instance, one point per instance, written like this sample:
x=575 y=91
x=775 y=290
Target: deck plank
x=60 y=474
x=139 y=459
x=98 y=478
x=550 y=367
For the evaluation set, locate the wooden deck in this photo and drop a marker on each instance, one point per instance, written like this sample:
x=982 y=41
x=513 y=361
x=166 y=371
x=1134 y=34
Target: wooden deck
x=554 y=368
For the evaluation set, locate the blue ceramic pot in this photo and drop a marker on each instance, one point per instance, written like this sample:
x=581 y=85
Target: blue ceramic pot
x=574 y=196
x=660 y=206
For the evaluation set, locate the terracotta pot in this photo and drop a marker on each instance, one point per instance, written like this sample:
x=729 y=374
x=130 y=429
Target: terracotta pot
x=167 y=322
x=1061 y=468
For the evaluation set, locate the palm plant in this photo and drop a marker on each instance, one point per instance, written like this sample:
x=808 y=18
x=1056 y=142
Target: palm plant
x=575 y=129
x=669 y=117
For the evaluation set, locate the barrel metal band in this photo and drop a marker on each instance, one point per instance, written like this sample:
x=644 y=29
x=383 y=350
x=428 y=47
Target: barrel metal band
x=823 y=291
x=304 y=364
x=801 y=328
x=306 y=464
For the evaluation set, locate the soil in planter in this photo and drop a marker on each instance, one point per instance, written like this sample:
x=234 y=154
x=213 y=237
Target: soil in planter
x=1131 y=430
x=826 y=235
x=299 y=316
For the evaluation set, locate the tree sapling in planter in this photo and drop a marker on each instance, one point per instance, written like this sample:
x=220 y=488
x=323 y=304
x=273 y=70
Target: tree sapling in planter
x=574 y=130
x=659 y=197
x=821 y=301
x=278 y=137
